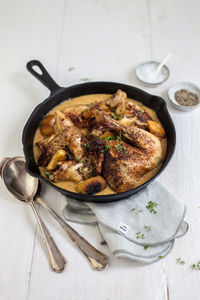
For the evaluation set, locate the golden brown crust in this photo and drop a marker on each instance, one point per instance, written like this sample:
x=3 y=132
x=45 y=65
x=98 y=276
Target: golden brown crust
x=97 y=141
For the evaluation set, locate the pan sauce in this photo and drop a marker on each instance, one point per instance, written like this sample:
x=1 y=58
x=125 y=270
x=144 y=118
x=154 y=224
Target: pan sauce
x=87 y=99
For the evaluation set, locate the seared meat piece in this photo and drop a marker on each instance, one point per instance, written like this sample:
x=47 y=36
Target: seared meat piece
x=67 y=135
x=122 y=168
x=75 y=170
x=133 y=115
x=68 y=170
x=115 y=99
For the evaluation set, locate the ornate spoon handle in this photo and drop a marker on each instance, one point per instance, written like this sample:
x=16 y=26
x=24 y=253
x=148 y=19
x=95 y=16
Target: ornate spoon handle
x=56 y=258
x=97 y=259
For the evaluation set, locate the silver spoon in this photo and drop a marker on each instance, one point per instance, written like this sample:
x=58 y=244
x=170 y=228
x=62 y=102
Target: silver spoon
x=16 y=165
x=24 y=188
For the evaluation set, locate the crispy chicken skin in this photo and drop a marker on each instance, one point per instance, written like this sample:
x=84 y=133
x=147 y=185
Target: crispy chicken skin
x=123 y=169
x=75 y=170
x=67 y=136
x=123 y=156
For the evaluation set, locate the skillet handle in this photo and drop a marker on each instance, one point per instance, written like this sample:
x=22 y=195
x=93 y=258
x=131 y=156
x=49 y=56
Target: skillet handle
x=42 y=75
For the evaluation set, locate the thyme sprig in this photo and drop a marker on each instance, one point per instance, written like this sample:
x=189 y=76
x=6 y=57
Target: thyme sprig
x=151 y=205
x=47 y=174
x=85 y=79
x=180 y=261
x=147 y=228
x=71 y=69
x=137 y=211
x=140 y=235
x=196 y=266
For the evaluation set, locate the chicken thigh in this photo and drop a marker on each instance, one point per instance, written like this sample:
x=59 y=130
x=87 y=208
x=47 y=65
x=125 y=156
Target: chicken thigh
x=124 y=164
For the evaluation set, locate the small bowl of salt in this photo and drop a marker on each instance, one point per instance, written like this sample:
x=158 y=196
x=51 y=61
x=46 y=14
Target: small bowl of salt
x=184 y=96
x=152 y=73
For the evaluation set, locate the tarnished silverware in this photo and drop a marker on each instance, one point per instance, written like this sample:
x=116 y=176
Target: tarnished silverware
x=24 y=187
x=97 y=259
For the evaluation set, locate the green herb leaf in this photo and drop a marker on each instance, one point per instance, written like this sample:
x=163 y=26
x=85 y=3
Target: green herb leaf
x=85 y=79
x=146 y=247
x=137 y=211
x=118 y=138
x=151 y=205
x=47 y=174
x=116 y=117
x=160 y=256
x=148 y=228
x=86 y=145
x=80 y=160
x=196 y=266
x=180 y=261
x=106 y=148
x=118 y=147
x=71 y=69
x=140 y=235
x=193 y=266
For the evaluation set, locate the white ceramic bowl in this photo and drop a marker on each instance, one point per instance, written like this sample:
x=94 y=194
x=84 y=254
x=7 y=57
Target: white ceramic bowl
x=142 y=75
x=186 y=86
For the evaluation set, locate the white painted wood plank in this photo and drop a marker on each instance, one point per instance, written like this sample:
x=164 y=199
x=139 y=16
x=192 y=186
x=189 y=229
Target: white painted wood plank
x=26 y=32
x=174 y=27
x=103 y=41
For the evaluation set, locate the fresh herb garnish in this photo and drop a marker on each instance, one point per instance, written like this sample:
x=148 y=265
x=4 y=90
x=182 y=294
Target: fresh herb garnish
x=160 y=256
x=146 y=247
x=83 y=171
x=86 y=145
x=71 y=69
x=180 y=261
x=137 y=211
x=80 y=160
x=151 y=205
x=47 y=174
x=196 y=266
x=148 y=228
x=118 y=147
x=116 y=117
x=118 y=138
x=124 y=149
x=140 y=235
x=90 y=106
x=85 y=79
x=109 y=138
x=106 y=148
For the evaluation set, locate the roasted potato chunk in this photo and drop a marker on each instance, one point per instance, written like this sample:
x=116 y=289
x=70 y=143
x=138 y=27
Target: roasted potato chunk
x=47 y=125
x=91 y=186
x=87 y=114
x=60 y=155
x=156 y=128
x=107 y=134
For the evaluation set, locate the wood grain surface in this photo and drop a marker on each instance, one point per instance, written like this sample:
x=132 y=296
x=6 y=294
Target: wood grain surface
x=102 y=40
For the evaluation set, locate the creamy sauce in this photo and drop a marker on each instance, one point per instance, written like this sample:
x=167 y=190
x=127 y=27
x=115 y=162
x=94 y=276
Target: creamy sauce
x=84 y=100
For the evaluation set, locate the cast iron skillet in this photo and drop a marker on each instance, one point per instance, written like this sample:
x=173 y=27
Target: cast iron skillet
x=59 y=94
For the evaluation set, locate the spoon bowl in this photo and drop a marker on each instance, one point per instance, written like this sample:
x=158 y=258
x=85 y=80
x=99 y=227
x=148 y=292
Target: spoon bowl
x=22 y=185
x=25 y=188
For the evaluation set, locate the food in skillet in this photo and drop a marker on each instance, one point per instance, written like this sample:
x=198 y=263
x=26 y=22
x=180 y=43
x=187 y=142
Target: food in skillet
x=112 y=142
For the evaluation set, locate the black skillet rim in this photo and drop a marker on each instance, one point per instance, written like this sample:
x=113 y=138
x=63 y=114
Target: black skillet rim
x=97 y=198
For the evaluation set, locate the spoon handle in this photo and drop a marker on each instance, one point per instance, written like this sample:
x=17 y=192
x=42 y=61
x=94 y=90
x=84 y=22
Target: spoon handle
x=97 y=259
x=56 y=258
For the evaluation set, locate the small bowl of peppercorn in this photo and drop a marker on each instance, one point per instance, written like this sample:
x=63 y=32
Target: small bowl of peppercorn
x=184 y=96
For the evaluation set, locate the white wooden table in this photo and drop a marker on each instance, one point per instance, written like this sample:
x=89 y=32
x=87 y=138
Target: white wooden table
x=103 y=40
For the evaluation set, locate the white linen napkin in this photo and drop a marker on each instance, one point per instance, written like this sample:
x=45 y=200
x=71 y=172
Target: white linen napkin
x=142 y=227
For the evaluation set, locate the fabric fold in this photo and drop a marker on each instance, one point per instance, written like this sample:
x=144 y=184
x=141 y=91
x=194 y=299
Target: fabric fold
x=142 y=227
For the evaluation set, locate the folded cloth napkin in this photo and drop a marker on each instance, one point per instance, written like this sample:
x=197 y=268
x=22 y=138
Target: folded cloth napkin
x=142 y=227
